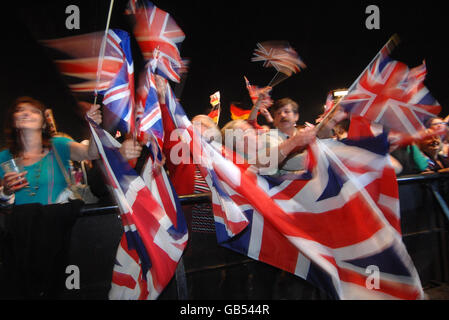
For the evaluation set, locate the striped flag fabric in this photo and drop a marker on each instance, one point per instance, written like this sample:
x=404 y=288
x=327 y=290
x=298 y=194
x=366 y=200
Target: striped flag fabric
x=215 y=102
x=330 y=226
x=155 y=230
x=215 y=114
x=239 y=113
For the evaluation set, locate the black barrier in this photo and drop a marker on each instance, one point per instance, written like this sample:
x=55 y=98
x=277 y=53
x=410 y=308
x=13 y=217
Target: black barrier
x=209 y=271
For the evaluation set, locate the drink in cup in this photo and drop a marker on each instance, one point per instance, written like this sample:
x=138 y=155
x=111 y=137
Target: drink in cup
x=12 y=165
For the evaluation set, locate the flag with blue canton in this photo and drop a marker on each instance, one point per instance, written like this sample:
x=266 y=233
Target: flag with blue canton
x=119 y=97
x=155 y=229
x=391 y=94
x=330 y=228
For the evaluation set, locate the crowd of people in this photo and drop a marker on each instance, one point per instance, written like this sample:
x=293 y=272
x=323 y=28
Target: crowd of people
x=51 y=164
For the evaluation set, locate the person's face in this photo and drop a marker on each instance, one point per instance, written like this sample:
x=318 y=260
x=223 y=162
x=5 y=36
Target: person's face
x=285 y=118
x=27 y=116
x=437 y=124
x=206 y=128
x=432 y=145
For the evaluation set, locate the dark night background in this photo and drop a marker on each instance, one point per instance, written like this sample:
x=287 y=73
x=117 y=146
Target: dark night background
x=330 y=37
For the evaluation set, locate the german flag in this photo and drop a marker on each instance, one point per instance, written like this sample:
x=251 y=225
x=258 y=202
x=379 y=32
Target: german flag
x=215 y=113
x=238 y=113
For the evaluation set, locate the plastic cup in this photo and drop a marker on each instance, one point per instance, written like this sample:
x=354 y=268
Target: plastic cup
x=12 y=165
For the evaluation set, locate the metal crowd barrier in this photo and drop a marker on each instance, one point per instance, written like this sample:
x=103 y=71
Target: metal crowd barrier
x=209 y=271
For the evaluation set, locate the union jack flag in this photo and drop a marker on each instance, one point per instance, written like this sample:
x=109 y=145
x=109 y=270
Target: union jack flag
x=327 y=229
x=280 y=55
x=84 y=62
x=113 y=76
x=327 y=226
x=149 y=117
x=155 y=29
x=391 y=94
x=119 y=97
x=235 y=221
x=155 y=229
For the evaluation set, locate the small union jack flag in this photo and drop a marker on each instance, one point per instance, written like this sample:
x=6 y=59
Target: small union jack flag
x=279 y=55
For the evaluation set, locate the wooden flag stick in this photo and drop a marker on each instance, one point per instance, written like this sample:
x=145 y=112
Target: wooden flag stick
x=102 y=49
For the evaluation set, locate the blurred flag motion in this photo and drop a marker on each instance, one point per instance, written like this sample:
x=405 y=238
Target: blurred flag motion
x=390 y=93
x=155 y=229
x=111 y=75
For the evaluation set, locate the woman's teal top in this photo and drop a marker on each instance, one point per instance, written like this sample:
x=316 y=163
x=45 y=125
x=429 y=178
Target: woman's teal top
x=45 y=178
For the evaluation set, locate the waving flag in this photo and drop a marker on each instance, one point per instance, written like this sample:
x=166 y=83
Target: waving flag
x=83 y=53
x=156 y=29
x=238 y=113
x=391 y=94
x=116 y=77
x=149 y=114
x=155 y=229
x=280 y=55
x=254 y=92
x=236 y=221
x=215 y=102
x=119 y=97
x=328 y=226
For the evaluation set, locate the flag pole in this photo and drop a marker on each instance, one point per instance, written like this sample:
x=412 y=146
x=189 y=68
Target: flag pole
x=269 y=84
x=391 y=44
x=102 y=49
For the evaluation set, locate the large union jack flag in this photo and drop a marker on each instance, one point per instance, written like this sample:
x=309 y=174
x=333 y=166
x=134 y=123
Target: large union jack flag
x=391 y=94
x=154 y=30
x=330 y=226
x=155 y=229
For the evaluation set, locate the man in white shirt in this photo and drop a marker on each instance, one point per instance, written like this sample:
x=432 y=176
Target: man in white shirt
x=286 y=142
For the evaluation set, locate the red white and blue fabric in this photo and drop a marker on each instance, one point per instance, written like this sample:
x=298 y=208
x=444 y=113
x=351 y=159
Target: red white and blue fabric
x=119 y=97
x=155 y=229
x=149 y=118
x=110 y=74
x=328 y=226
x=391 y=94
x=155 y=29
x=233 y=219
x=84 y=61
x=279 y=55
